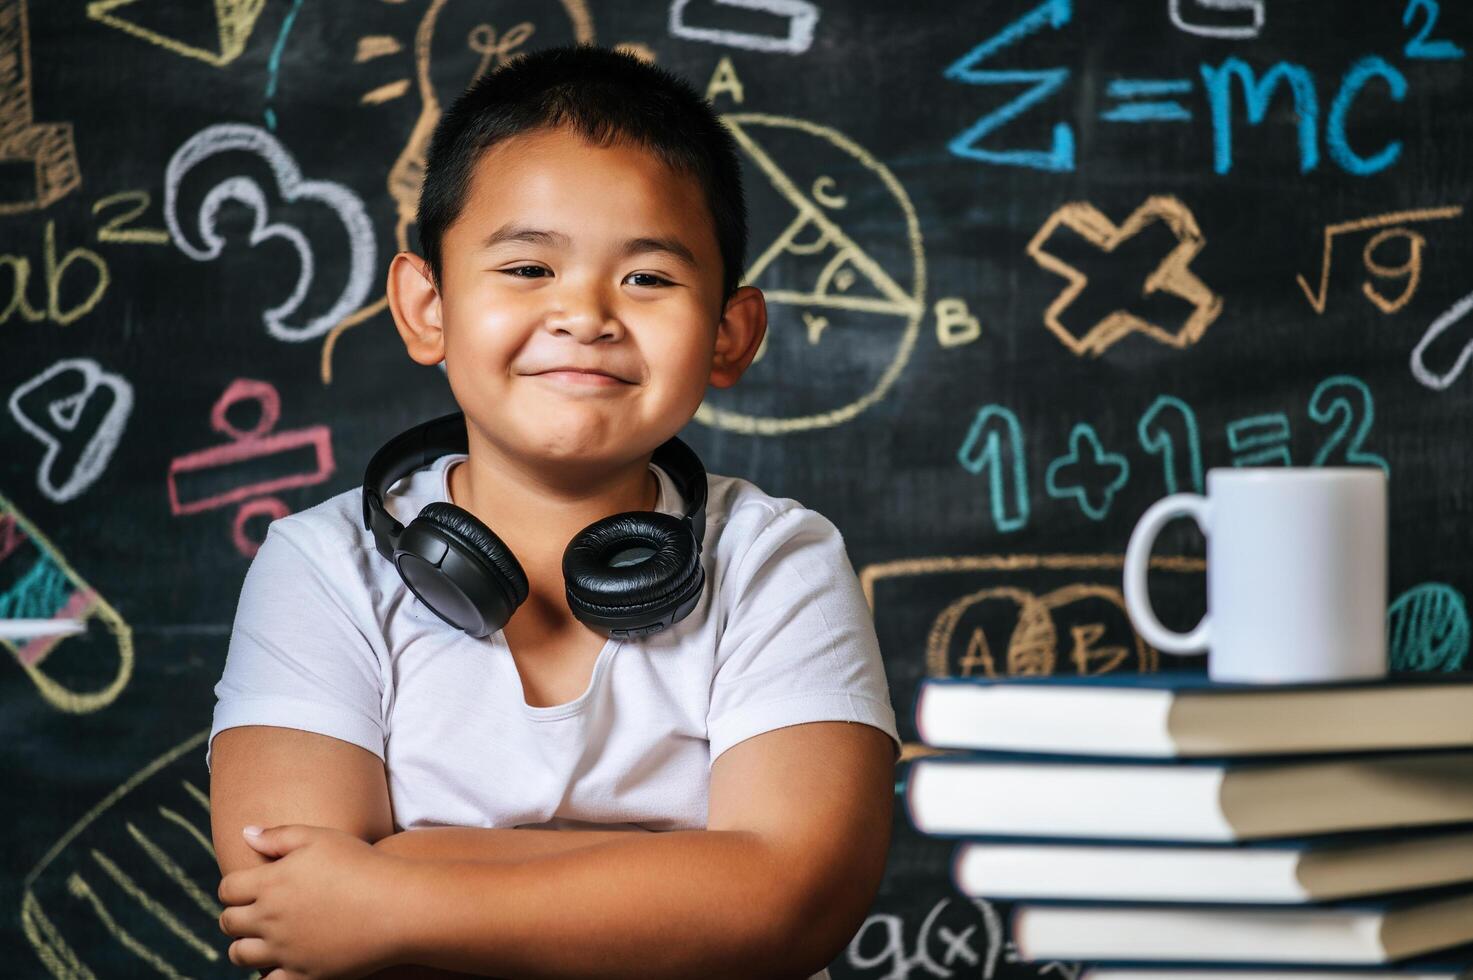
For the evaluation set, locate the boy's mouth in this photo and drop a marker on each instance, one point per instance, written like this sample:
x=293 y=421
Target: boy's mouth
x=576 y=372
x=582 y=378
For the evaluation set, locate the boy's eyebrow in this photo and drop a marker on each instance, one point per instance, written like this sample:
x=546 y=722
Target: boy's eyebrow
x=523 y=235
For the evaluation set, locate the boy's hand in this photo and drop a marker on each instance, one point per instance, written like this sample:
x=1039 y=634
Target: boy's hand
x=314 y=913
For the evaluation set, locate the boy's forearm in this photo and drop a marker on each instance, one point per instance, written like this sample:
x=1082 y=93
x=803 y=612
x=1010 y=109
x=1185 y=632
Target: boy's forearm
x=491 y=844
x=410 y=971
x=677 y=904
x=477 y=844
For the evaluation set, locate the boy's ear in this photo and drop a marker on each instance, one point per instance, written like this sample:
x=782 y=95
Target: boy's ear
x=738 y=336
x=415 y=303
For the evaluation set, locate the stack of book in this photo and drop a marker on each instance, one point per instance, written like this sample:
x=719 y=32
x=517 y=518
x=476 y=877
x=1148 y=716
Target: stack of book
x=1157 y=825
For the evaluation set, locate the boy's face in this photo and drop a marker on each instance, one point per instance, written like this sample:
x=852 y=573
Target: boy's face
x=571 y=255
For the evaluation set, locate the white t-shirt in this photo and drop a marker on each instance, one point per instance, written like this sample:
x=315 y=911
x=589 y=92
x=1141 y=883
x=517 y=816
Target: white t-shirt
x=328 y=639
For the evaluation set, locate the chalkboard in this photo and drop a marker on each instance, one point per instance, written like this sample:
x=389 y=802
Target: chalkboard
x=1030 y=266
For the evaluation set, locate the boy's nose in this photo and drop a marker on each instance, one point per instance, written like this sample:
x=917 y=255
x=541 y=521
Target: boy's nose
x=584 y=314
x=584 y=327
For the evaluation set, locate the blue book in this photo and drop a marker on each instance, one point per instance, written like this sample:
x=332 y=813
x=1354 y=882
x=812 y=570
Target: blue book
x=1289 y=870
x=1361 y=932
x=1185 y=714
x=1030 y=794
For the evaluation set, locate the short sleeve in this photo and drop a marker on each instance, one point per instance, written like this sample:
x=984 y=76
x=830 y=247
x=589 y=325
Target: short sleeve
x=799 y=643
x=298 y=655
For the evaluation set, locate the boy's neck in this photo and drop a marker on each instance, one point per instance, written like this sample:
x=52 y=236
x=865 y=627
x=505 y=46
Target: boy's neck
x=536 y=512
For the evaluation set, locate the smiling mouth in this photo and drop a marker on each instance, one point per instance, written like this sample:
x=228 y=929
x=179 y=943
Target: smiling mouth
x=580 y=377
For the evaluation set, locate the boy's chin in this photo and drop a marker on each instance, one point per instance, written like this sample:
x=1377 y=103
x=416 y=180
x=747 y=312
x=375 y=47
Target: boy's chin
x=570 y=447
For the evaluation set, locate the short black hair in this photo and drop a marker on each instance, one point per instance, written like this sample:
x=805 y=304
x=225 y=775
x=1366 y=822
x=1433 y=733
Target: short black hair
x=605 y=96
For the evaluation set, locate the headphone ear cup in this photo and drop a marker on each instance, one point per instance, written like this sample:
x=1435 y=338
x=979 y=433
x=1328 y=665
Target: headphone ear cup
x=482 y=540
x=609 y=587
x=460 y=569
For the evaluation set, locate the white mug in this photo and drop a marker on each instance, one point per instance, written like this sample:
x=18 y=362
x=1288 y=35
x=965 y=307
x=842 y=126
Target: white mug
x=1296 y=574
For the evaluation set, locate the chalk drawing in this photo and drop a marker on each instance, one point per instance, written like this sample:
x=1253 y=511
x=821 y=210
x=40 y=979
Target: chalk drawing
x=273 y=63
x=1236 y=32
x=252 y=451
x=1318 y=299
x=802 y=18
x=1427 y=628
x=1134 y=111
x=116 y=230
x=342 y=202
x=1349 y=398
x=234 y=21
x=41 y=584
x=1258 y=91
x=1172 y=276
x=842 y=282
x=944 y=943
x=994 y=447
x=1043 y=83
x=56 y=273
x=1169 y=429
x=1260 y=440
x=955 y=325
x=46 y=148
x=1083 y=473
x=134 y=880
x=1336 y=142
x=78 y=412
x=1424 y=46
x=1445 y=322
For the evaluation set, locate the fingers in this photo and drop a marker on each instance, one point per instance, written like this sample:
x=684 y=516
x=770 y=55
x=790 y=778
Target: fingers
x=238 y=887
x=235 y=921
x=251 y=952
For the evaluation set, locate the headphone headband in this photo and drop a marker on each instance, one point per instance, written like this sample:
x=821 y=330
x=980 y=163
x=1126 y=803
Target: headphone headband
x=400 y=456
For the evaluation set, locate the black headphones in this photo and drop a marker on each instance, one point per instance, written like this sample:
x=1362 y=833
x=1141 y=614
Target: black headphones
x=627 y=575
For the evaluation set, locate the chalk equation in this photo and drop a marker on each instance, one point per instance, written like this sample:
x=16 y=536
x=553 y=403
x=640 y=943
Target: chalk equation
x=1163 y=100
x=958 y=937
x=1090 y=475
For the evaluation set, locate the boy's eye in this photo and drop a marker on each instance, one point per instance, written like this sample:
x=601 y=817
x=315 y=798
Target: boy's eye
x=650 y=279
x=539 y=272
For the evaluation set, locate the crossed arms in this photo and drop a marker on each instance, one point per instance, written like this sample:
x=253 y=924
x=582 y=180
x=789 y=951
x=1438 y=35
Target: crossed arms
x=781 y=878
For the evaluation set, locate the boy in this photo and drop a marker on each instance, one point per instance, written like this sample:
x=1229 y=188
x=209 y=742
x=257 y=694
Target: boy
x=581 y=211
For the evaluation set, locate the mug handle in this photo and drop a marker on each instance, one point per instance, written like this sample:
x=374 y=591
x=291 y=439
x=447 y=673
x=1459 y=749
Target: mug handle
x=1138 y=558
